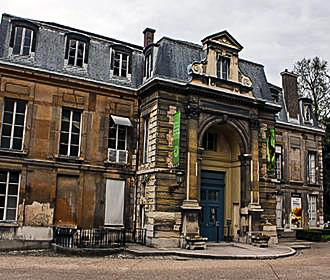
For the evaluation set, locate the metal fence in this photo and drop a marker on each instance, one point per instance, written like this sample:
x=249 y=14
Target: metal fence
x=97 y=237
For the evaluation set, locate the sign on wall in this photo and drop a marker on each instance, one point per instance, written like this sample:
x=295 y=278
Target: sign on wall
x=176 y=139
x=296 y=210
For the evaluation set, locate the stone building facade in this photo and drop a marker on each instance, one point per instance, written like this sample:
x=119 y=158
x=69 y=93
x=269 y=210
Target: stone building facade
x=87 y=138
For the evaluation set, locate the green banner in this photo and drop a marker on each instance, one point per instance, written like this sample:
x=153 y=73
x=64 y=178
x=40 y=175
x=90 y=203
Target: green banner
x=271 y=150
x=176 y=139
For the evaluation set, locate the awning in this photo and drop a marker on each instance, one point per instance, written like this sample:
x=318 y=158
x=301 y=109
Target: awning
x=121 y=120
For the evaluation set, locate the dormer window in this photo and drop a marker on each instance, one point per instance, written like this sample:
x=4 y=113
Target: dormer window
x=76 y=53
x=120 y=57
x=148 y=65
x=23 y=38
x=223 y=67
x=307 y=113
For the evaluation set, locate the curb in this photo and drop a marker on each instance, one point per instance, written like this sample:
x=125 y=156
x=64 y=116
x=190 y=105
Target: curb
x=210 y=256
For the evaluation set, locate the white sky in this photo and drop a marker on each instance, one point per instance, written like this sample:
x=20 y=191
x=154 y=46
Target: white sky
x=275 y=33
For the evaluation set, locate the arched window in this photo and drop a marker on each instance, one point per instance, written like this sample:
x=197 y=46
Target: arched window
x=23 y=37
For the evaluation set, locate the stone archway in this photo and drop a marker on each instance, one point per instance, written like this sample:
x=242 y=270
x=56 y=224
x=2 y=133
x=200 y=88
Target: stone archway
x=223 y=176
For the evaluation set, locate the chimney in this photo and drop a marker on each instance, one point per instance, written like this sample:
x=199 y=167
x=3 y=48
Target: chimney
x=148 y=36
x=290 y=89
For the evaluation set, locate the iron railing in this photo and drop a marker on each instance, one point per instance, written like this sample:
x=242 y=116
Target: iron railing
x=97 y=237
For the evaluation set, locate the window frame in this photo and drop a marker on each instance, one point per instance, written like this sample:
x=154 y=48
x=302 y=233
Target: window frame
x=278 y=158
x=25 y=25
x=206 y=141
x=79 y=38
x=148 y=65
x=69 y=143
x=311 y=170
x=6 y=195
x=116 y=138
x=220 y=64
x=121 y=50
x=146 y=138
x=13 y=125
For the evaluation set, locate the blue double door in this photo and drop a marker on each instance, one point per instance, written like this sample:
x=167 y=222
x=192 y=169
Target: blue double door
x=212 y=202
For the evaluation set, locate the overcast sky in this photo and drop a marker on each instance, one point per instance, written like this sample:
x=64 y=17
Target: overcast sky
x=275 y=33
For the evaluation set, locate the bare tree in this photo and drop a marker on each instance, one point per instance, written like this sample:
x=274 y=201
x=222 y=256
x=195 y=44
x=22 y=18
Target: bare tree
x=314 y=82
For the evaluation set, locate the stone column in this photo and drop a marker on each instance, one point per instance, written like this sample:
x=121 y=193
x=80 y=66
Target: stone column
x=190 y=206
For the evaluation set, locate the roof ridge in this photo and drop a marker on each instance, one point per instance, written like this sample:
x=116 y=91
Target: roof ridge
x=180 y=42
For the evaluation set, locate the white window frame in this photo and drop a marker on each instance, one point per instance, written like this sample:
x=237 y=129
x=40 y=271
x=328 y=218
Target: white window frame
x=5 y=208
x=278 y=163
x=148 y=66
x=70 y=132
x=311 y=168
x=23 y=39
x=13 y=125
x=220 y=69
x=113 y=53
x=116 y=138
x=312 y=213
x=76 y=52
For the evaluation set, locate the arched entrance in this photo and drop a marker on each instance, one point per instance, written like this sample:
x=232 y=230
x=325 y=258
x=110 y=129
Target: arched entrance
x=220 y=180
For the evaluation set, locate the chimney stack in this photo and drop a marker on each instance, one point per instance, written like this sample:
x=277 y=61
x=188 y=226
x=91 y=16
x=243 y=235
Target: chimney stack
x=290 y=89
x=148 y=36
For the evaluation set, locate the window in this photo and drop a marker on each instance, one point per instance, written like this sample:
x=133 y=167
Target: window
x=146 y=126
x=23 y=41
x=76 y=52
x=9 y=190
x=307 y=113
x=278 y=162
x=117 y=141
x=23 y=38
x=223 y=68
x=311 y=168
x=70 y=132
x=148 y=66
x=13 y=124
x=120 y=63
x=210 y=141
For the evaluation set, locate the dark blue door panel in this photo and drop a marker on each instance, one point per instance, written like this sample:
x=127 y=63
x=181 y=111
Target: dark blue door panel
x=212 y=202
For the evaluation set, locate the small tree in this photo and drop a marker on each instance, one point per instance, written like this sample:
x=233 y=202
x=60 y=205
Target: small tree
x=314 y=82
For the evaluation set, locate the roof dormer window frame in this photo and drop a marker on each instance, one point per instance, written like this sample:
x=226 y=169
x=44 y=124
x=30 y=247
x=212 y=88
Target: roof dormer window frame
x=120 y=62
x=76 y=50
x=148 y=64
x=223 y=67
x=22 y=38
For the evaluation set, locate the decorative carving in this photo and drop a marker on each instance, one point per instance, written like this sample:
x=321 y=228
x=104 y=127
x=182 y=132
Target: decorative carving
x=195 y=68
x=192 y=109
x=244 y=80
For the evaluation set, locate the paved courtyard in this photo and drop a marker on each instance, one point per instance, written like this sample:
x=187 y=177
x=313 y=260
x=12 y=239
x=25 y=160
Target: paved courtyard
x=312 y=263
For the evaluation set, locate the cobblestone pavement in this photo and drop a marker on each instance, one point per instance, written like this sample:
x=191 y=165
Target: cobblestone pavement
x=312 y=263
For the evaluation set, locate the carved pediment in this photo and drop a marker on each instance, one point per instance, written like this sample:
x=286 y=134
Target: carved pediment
x=223 y=38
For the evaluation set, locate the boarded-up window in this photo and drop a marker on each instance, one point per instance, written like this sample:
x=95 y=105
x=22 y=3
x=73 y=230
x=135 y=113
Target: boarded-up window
x=114 y=202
